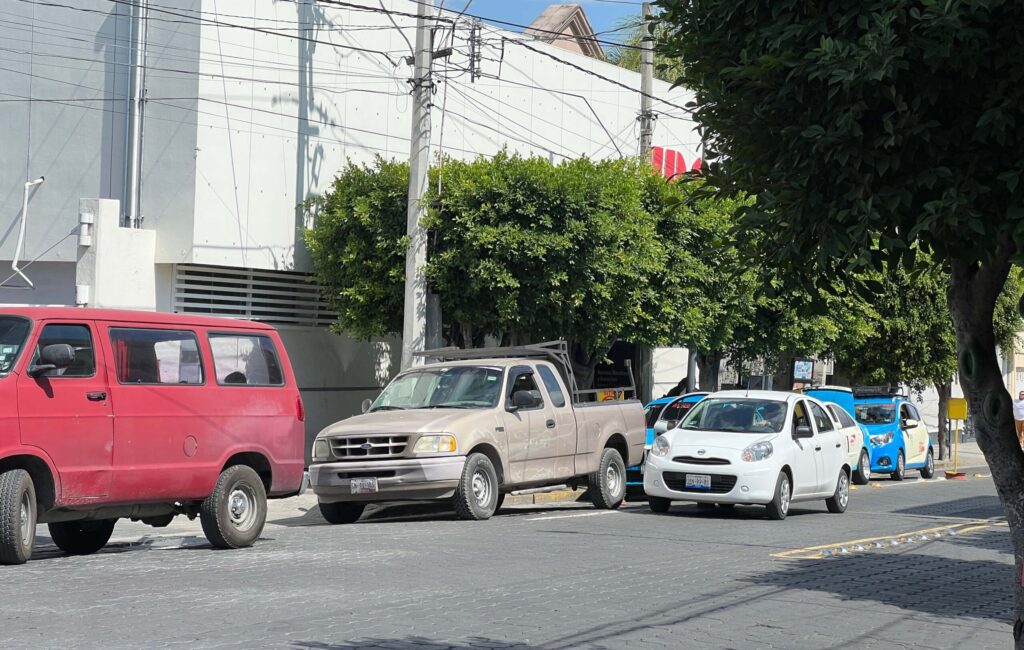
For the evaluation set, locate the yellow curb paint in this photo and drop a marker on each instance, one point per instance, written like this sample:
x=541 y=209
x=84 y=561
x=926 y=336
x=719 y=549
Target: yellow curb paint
x=876 y=486
x=901 y=538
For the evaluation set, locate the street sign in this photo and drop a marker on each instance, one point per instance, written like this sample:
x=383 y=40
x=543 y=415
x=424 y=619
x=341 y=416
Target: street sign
x=957 y=408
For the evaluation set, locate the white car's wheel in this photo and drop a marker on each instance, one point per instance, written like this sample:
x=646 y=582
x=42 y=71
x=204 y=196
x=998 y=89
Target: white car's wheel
x=779 y=506
x=841 y=497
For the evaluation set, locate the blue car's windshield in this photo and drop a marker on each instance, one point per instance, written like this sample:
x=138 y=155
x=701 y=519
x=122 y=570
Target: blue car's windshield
x=875 y=413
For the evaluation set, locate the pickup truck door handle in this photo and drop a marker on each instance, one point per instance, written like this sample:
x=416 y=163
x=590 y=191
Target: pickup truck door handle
x=96 y=397
x=550 y=424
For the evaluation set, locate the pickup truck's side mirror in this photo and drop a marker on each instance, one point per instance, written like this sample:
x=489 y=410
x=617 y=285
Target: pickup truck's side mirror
x=52 y=357
x=367 y=403
x=660 y=427
x=803 y=431
x=910 y=423
x=524 y=399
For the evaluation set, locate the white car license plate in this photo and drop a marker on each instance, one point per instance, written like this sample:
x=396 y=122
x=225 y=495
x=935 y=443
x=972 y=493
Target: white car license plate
x=363 y=485
x=698 y=481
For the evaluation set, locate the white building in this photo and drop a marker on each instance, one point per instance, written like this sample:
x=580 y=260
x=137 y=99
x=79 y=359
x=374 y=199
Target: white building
x=249 y=109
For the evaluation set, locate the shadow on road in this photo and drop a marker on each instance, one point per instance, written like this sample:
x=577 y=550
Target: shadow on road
x=936 y=583
x=980 y=507
x=440 y=511
x=414 y=643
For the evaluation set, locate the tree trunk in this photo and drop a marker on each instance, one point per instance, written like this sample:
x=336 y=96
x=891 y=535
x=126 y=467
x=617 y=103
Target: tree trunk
x=709 y=364
x=944 y=390
x=972 y=296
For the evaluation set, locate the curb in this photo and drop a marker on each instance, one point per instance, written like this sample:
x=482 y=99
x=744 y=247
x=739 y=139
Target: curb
x=558 y=496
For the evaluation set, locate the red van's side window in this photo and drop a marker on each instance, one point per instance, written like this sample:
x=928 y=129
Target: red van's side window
x=146 y=356
x=79 y=338
x=245 y=359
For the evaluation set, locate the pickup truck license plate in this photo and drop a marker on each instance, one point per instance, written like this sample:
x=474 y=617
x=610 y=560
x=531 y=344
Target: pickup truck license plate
x=363 y=485
x=698 y=481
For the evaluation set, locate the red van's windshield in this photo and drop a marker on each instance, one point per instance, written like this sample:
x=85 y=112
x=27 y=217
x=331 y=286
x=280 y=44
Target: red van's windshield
x=13 y=330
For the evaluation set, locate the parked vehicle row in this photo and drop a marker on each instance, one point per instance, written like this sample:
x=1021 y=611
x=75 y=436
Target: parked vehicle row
x=145 y=416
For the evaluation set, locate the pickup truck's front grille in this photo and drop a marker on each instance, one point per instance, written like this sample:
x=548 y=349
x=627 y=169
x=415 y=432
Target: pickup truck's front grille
x=369 y=447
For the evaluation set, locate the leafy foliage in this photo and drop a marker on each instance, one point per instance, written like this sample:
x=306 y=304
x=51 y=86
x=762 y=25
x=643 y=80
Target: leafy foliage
x=358 y=246
x=629 y=57
x=525 y=250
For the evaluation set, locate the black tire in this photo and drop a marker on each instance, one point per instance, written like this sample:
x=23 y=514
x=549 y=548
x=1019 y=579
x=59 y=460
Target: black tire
x=901 y=467
x=607 y=486
x=635 y=493
x=501 y=500
x=779 y=506
x=234 y=515
x=476 y=498
x=659 y=505
x=18 y=516
x=863 y=475
x=342 y=512
x=82 y=537
x=928 y=471
x=841 y=497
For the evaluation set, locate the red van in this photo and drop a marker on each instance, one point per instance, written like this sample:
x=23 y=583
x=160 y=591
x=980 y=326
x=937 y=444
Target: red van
x=144 y=416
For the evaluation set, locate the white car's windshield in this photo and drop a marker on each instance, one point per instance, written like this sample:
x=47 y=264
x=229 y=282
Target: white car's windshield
x=464 y=387
x=736 y=415
x=875 y=413
x=13 y=331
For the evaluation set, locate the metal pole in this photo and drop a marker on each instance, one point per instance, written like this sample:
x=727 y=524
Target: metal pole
x=414 y=329
x=691 y=370
x=646 y=84
x=137 y=56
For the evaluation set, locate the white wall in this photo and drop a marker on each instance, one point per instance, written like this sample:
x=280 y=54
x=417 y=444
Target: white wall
x=262 y=148
x=669 y=367
x=118 y=266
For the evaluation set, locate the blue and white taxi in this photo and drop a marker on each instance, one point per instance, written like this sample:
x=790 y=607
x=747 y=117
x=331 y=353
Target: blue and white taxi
x=770 y=448
x=897 y=438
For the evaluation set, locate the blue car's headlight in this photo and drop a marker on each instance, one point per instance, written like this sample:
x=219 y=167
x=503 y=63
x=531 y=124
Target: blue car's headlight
x=882 y=440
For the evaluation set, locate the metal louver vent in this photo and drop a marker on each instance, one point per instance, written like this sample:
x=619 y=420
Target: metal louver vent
x=281 y=297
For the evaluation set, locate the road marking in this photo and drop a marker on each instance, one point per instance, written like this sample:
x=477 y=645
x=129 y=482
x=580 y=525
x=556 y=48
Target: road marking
x=843 y=548
x=583 y=514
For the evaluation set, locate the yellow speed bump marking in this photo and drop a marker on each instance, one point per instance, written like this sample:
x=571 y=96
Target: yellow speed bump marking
x=868 y=543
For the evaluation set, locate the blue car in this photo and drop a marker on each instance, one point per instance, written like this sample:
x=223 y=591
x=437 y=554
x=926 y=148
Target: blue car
x=839 y=400
x=664 y=413
x=897 y=438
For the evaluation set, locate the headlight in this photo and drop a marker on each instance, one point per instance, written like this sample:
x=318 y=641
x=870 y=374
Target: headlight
x=757 y=451
x=661 y=447
x=434 y=444
x=321 y=450
x=883 y=439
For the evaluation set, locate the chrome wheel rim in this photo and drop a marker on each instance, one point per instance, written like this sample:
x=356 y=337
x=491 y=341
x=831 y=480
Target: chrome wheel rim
x=26 y=518
x=242 y=507
x=613 y=479
x=481 y=488
x=865 y=465
x=931 y=462
x=784 y=494
x=900 y=464
x=844 y=489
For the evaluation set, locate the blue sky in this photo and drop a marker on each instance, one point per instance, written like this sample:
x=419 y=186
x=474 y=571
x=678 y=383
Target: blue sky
x=603 y=14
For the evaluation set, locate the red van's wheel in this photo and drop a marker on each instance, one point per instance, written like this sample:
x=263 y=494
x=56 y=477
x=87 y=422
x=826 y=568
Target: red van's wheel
x=234 y=515
x=82 y=537
x=17 y=516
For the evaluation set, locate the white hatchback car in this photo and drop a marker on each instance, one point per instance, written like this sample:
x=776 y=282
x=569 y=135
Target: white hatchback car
x=751 y=447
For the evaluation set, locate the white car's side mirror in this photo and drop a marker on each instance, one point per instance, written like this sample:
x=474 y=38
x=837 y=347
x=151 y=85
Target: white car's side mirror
x=660 y=427
x=910 y=423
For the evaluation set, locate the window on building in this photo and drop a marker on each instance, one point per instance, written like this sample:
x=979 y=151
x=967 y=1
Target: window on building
x=80 y=339
x=246 y=360
x=156 y=356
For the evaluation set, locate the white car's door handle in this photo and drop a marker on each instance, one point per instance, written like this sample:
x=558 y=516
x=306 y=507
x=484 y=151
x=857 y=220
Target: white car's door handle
x=817 y=449
x=838 y=445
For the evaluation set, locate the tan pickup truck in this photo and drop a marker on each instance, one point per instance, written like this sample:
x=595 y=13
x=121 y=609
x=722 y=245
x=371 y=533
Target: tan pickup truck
x=473 y=427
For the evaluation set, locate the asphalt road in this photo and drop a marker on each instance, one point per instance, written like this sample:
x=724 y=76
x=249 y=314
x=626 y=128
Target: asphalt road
x=560 y=576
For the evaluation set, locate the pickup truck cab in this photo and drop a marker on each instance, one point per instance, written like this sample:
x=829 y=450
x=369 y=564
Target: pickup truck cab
x=473 y=427
x=144 y=416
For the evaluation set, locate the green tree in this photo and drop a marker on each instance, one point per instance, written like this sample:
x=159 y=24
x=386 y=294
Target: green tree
x=524 y=250
x=628 y=56
x=870 y=131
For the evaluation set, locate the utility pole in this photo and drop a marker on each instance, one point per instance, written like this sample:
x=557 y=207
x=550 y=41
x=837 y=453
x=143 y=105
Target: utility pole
x=646 y=84
x=414 y=328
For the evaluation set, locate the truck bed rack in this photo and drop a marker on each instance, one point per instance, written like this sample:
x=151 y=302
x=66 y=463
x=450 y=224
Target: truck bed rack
x=557 y=352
